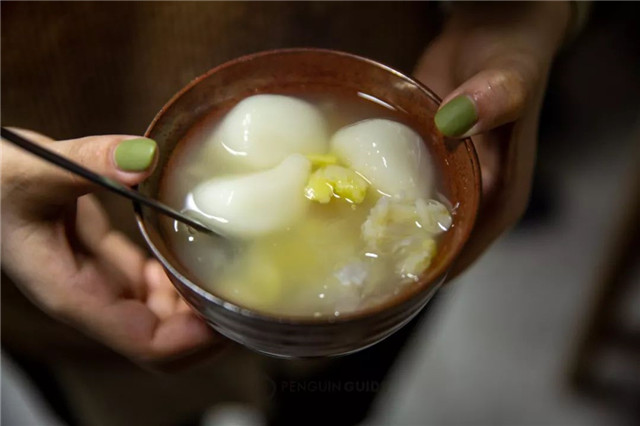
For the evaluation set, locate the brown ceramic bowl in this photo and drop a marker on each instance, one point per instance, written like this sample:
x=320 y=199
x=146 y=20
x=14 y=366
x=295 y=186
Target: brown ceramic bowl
x=299 y=70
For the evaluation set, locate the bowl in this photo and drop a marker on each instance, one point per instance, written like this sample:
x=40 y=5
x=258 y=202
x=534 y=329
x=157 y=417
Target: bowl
x=298 y=70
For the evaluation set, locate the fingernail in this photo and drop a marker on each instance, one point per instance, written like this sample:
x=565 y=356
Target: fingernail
x=135 y=155
x=457 y=116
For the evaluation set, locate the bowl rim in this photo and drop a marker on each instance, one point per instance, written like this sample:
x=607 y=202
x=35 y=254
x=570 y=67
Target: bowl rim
x=405 y=296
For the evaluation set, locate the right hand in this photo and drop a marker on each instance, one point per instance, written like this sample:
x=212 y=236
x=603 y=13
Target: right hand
x=59 y=248
x=491 y=64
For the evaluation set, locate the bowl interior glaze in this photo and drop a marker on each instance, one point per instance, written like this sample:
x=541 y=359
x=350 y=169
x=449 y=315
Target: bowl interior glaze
x=297 y=70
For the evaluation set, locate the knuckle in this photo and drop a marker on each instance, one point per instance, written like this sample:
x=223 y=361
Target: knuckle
x=506 y=76
x=510 y=84
x=88 y=151
x=75 y=180
x=506 y=90
x=58 y=306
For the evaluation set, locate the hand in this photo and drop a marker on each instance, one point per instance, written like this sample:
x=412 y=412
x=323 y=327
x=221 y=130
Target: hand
x=58 y=246
x=491 y=63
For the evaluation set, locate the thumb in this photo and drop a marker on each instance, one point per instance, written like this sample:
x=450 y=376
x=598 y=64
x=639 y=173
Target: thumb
x=125 y=159
x=493 y=96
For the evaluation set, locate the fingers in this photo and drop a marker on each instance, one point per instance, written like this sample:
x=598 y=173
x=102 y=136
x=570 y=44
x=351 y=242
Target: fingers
x=131 y=328
x=126 y=159
x=489 y=61
x=162 y=298
x=180 y=333
x=32 y=136
x=179 y=330
x=490 y=98
x=148 y=330
x=122 y=260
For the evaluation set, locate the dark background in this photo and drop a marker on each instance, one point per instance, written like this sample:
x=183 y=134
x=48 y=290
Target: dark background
x=74 y=69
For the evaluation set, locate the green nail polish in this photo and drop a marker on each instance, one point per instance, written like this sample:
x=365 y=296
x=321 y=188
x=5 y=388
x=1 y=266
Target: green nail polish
x=135 y=155
x=457 y=116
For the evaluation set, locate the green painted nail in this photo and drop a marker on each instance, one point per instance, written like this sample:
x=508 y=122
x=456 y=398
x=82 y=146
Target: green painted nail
x=457 y=116
x=135 y=155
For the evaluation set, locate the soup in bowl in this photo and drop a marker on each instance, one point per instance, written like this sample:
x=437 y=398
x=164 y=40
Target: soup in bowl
x=341 y=206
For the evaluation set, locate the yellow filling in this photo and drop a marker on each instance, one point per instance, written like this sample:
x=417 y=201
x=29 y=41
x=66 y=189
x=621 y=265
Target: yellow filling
x=322 y=160
x=336 y=181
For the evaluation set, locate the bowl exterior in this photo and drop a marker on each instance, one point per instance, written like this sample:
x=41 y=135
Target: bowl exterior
x=292 y=340
x=291 y=70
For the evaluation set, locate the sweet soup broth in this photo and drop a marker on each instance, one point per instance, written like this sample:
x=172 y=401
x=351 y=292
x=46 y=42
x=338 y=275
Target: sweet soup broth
x=324 y=233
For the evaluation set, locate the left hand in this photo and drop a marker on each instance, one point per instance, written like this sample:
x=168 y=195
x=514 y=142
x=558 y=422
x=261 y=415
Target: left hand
x=491 y=64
